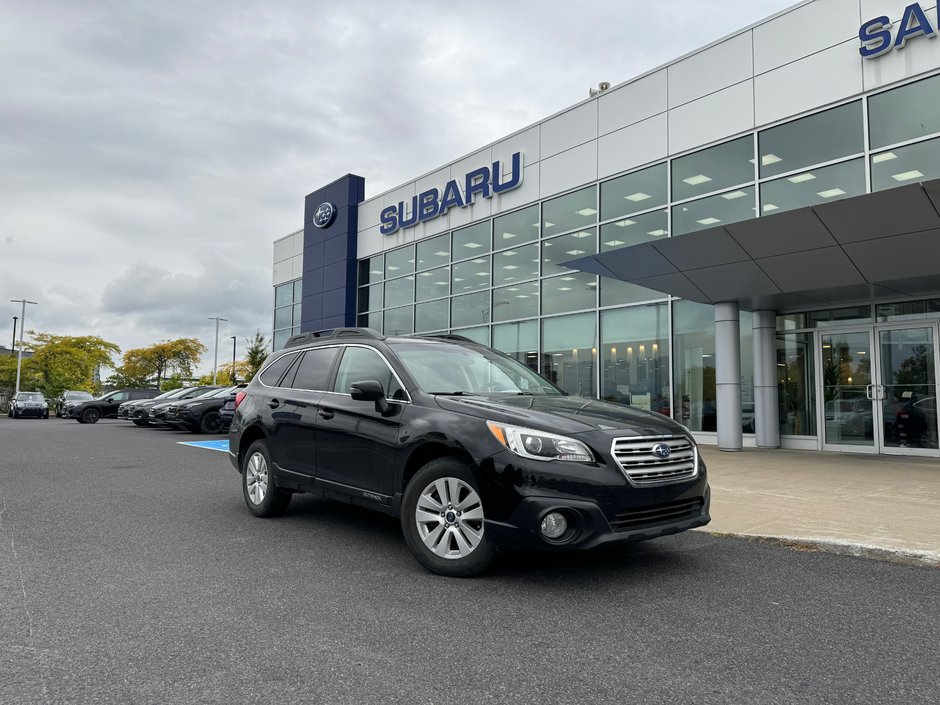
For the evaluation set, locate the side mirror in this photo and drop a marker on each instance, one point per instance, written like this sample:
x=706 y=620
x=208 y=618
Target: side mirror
x=370 y=390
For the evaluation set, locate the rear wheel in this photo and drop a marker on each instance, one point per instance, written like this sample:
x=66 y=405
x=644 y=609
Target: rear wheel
x=443 y=521
x=211 y=423
x=263 y=498
x=90 y=416
x=141 y=422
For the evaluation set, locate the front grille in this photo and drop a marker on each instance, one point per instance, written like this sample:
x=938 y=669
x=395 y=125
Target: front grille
x=642 y=467
x=659 y=514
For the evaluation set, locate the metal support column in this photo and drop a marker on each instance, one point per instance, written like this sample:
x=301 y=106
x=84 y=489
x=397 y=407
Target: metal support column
x=728 y=375
x=766 y=409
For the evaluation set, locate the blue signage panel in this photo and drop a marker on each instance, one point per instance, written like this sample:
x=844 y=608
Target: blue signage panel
x=877 y=35
x=433 y=203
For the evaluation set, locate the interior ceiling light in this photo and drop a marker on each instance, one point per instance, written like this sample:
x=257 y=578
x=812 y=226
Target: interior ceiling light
x=547 y=224
x=510 y=266
x=472 y=245
x=697 y=179
x=564 y=288
x=613 y=243
x=567 y=279
x=575 y=252
x=586 y=212
x=509 y=253
x=508 y=236
x=830 y=193
x=638 y=196
x=907 y=175
x=883 y=157
x=442 y=253
x=800 y=178
x=426 y=274
x=657 y=233
x=708 y=221
x=392 y=268
x=582 y=234
x=770 y=207
x=733 y=195
x=625 y=222
x=769 y=159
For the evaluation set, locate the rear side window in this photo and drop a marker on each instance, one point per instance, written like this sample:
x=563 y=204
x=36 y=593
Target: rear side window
x=272 y=375
x=313 y=372
x=361 y=364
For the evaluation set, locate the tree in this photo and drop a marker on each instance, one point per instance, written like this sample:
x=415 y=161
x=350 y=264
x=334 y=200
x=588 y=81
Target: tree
x=255 y=356
x=61 y=362
x=224 y=375
x=174 y=356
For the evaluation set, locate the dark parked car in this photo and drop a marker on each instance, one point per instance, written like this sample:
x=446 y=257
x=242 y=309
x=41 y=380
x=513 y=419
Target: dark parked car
x=227 y=412
x=138 y=410
x=202 y=413
x=916 y=422
x=156 y=414
x=28 y=404
x=472 y=450
x=70 y=398
x=107 y=405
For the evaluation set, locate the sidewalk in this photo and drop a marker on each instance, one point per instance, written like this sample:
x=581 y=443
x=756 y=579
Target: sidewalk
x=881 y=506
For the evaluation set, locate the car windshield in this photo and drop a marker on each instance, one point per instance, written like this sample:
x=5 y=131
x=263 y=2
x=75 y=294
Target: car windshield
x=172 y=394
x=79 y=396
x=29 y=396
x=445 y=368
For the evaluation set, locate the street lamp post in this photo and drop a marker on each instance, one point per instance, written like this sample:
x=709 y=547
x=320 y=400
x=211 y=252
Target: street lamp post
x=233 y=359
x=19 y=359
x=215 y=362
x=13 y=344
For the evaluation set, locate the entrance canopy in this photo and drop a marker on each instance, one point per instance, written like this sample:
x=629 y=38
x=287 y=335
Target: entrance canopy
x=875 y=246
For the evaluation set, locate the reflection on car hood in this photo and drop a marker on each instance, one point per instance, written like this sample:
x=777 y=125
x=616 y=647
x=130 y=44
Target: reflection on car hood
x=565 y=414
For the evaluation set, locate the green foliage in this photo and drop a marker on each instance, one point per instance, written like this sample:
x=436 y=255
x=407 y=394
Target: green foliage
x=177 y=357
x=174 y=381
x=61 y=362
x=255 y=356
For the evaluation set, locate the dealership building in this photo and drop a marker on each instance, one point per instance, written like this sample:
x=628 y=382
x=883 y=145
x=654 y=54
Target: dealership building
x=746 y=239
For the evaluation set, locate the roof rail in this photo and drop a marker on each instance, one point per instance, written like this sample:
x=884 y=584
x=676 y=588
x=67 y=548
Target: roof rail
x=449 y=336
x=309 y=337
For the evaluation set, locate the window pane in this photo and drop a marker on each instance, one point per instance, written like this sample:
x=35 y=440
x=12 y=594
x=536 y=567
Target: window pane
x=431 y=316
x=296 y=320
x=398 y=321
x=569 y=351
x=371 y=320
x=519 y=340
x=400 y=291
x=479 y=335
x=360 y=364
x=905 y=113
x=818 y=138
x=694 y=362
x=433 y=252
x=614 y=292
x=634 y=230
x=517 y=301
x=433 y=284
x=313 y=372
x=634 y=192
x=372 y=269
x=746 y=347
x=714 y=168
x=516 y=228
x=517 y=264
x=815 y=186
x=469 y=310
x=470 y=275
x=284 y=295
x=715 y=210
x=906 y=165
x=565 y=248
x=282 y=317
x=398 y=262
x=279 y=339
x=796 y=387
x=838 y=316
x=635 y=357
x=571 y=292
x=576 y=210
x=370 y=297
x=273 y=373
x=471 y=241
x=298 y=291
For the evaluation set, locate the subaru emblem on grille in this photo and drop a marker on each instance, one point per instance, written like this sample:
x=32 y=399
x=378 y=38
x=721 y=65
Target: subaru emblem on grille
x=662 y=450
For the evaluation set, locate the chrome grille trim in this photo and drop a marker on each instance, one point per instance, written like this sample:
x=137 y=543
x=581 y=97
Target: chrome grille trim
x=634 y=456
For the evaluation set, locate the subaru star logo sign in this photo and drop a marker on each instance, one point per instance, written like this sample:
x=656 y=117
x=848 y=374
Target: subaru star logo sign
x=662 y=450
x=324 y=215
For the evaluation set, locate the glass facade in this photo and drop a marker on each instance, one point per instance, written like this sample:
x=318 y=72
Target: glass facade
x=503 y=280
x=287 y=300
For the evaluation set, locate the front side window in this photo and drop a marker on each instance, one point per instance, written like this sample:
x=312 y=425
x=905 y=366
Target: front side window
x=364 y=364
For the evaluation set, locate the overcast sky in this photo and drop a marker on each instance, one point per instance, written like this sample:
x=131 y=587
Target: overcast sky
x=151 y=152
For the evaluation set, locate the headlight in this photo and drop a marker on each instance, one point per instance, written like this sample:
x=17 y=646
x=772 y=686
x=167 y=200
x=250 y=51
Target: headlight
x=540 y=445
x=45 y=405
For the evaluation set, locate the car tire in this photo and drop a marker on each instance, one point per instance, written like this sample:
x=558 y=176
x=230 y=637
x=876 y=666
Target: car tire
x=440 y=536
x=263 y=498
x=46 y=415
x=90 y=416
x=141 y=422
x=211 y=422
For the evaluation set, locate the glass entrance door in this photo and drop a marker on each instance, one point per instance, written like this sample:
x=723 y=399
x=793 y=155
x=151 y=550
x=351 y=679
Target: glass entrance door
x=906 y=389
x=848 y=403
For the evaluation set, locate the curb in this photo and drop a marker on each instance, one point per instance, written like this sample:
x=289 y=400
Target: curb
x=922 y=559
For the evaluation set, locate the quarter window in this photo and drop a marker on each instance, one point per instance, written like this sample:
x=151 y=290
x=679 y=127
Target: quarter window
x=313 y=372
x=272 y=375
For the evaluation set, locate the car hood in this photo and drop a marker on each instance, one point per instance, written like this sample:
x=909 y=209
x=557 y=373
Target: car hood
x=565 y=414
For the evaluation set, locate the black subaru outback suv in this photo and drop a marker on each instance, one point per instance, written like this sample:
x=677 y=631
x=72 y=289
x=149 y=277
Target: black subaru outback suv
x=470 y=448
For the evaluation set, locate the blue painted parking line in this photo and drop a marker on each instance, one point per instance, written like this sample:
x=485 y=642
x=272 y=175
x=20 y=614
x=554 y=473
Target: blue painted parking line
x=208 y=445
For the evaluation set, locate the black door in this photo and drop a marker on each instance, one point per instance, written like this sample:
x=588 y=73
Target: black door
x=356 y=443
x=110 y=404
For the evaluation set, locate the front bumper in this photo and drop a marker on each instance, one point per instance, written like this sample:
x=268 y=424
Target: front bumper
x=36 y=411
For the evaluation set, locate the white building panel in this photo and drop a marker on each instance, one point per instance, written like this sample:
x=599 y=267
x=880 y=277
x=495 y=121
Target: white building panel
x=571 y=128
x=720 y=66
x=283 y=248
x=369 y=213
x=525 y=194
x=893 y=9
x=526 y=142
x=712 y=118
x=283 y=272
x=809 y=83
x=297 y=267
x=481 y=208
x=299 y=243
x=919 y=55
x=370 y=242
x=805 y=30
x=632 y=146
x=567 y=170
x=631 y=103
x=402 y=194
x=459 y=169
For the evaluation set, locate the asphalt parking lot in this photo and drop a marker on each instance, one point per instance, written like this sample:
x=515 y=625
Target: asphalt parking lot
x=131 y=572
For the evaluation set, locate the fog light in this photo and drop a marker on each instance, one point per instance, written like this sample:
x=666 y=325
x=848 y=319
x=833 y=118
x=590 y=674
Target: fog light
x=554 y=525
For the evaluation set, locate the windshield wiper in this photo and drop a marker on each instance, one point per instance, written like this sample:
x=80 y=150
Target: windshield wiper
x=454 y=394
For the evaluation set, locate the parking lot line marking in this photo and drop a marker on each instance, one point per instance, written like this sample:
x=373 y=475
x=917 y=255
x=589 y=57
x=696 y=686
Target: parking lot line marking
x=208 y=445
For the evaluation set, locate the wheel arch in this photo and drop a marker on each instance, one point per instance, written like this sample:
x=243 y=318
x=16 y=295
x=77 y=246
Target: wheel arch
x=425 y=453
x=248 y=436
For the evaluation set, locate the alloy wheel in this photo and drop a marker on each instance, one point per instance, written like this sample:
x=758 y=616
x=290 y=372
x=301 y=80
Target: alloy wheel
x=256 y=478
x=449 y=516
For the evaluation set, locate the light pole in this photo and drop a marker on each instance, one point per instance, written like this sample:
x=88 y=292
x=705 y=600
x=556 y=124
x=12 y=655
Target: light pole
x=19 y=359
x=13 y=344
x=233 y=359
x=215 y=362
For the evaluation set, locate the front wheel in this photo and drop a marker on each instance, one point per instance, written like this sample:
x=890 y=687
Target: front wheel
x=443 y=521
x=263 y=498
x=90 y=416
x=211 y=423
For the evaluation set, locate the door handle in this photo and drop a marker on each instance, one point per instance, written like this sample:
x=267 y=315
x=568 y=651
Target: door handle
x=326 y=414
x=274 y=403
x=868 y=392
